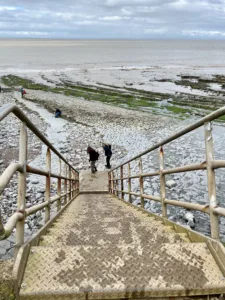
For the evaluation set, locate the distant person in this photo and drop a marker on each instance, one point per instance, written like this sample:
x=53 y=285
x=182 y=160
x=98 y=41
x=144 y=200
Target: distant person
x=93 y=157
x=108 y=154
x=58 y=113
x=23 y=92
x=0 y=89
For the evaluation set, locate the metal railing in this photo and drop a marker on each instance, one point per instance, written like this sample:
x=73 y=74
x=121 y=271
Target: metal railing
x=210 y=165
x=70 y=178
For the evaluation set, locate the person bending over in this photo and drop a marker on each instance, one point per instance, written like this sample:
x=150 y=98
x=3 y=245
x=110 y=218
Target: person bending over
x=93 y=157
x=58 y=113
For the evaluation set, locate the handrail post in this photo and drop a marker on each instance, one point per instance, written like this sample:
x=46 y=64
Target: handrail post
x=117 y=183
x=162 y=182
x=121 y=178
x=48 y=185
x=112 y=182
x=78 y=183
x=109 y=182
x=129 y=183
x=65 y=185
x=70 y=185
x=141 y=182
x=21 y=202
x=214 y=220
x=59 y=187
x=74 y=184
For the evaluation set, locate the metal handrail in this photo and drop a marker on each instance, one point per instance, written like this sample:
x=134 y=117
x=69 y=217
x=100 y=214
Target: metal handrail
x=12 y=108
x=210 y=165
x=215 y=115
x=70 y=178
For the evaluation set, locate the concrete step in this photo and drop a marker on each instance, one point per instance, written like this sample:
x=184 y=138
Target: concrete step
x=118 y=272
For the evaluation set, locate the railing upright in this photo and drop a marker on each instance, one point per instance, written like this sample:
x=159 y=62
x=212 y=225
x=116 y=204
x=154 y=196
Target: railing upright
x=112 y=183
x=74 y=184
x=162 y=182
x=59 y=187
x=141 y=181
x=121 y=184
x=214 y=220
x=117 y=183
x=129 y=183
x=21 y=203
x=48 y=185
x=65 y=184
x=70 y=184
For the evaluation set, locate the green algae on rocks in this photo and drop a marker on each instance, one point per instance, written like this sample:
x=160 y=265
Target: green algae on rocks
x=179 y=105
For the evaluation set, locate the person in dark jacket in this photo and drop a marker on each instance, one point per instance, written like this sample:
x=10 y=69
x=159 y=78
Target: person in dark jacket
x=58 y=113
x=93 y=157
x=108 y=154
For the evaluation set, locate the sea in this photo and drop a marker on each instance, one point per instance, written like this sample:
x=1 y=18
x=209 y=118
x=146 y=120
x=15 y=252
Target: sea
x=47 y=55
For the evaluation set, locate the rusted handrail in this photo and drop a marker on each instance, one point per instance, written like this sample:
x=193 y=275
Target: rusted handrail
x=116 y=176
x=72 y=177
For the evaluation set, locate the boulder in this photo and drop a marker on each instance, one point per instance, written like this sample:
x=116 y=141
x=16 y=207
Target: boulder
x=189 y=216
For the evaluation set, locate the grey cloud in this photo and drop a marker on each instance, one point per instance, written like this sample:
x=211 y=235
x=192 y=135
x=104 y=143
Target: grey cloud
x=113 y=18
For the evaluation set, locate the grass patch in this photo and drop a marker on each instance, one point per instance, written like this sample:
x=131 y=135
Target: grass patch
x=178 y=110
x=195 y=105
x=15 y=81
x=91 y=93
x=130 y=98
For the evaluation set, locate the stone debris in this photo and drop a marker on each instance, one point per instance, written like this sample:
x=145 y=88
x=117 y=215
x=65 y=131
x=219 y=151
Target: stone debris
x=171 y=183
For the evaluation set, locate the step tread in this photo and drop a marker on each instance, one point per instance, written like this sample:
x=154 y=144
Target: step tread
x=114 y=272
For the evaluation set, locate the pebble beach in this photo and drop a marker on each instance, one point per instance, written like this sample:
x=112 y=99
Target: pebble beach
x=129 y=131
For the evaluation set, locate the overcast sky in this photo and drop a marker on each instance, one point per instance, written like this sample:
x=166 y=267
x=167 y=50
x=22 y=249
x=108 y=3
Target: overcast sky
x=137 y=19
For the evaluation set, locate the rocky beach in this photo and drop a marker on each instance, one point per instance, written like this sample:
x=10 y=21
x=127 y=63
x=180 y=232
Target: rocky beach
x=132 y=108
